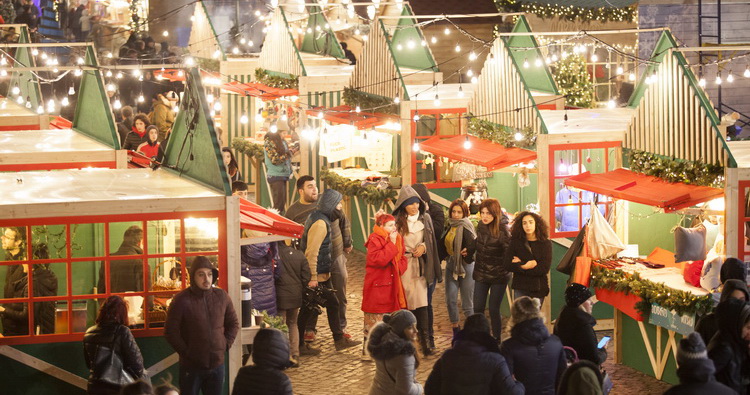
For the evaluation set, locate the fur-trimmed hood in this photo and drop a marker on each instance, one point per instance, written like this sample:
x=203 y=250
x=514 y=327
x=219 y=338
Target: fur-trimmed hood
x=384 y=344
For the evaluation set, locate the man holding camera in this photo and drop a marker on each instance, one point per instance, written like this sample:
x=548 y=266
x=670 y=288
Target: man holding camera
x=316 y=243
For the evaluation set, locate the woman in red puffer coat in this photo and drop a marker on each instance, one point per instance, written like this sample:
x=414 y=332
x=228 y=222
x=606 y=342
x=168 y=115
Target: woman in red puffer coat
x=383 y=292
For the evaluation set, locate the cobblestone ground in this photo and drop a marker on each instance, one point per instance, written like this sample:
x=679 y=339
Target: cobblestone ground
x=344 y=372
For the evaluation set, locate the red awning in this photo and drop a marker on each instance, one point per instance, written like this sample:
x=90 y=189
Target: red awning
x=259 y=90
x=255 y=217
x=482 y=152
x=345 y=115
x=653 y=191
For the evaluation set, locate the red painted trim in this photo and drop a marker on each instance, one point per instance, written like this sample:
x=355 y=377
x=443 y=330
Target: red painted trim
x=741 y=218
x=7 y=128
x=554 y=179
x=58 y=166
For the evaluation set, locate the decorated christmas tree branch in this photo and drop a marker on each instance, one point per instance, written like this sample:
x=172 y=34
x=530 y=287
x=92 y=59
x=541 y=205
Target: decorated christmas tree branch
x=574 y=82
x=571 y=13
x=682 y=302
x=368 y=102
x=672 y=170
x=252 y=150
x=369 y=193
x=507 y=137
x=274 y=81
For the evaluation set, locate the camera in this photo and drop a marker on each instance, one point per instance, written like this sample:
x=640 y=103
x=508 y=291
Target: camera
x=312 y=298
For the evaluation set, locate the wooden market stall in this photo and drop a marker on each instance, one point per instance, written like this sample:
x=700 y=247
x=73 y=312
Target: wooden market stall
x=19 y=108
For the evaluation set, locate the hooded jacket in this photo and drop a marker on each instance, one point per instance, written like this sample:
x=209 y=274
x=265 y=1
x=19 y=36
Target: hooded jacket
x=270 y=357
x=436 y=212
x=294 y=277
x=581 y=378
x=162 y=116
x=123 y=344
x=473 y=365
x=316 y=238
x=490 y=265
x=733 y=268
x=707 y=325
x=258 y=264
x=575 y=328
x=430 y=261
x=201 y=324
x=697 y=378
x=727 y=349
x=535 y=357
x=395 y=363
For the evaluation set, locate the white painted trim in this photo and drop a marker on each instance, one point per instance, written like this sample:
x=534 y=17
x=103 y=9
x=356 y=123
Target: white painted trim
x=44 y=367
x=163 y=365
x=563 y=242
x=445 y=202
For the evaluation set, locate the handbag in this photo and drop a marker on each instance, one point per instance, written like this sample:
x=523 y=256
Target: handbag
x=582 y=273
x=109 y=365
x=568 y=261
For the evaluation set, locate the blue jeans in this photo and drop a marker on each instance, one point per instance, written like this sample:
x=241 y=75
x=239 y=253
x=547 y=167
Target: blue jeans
x=466 y=286
x=517 y=293
x=211 y=381
x=497 y=293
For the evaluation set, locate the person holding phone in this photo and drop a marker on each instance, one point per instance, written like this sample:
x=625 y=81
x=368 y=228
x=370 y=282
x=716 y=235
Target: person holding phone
x=575 y=325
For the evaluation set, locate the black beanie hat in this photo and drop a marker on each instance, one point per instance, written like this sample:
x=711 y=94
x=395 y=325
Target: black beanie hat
x=576 y=294
x=691 y=349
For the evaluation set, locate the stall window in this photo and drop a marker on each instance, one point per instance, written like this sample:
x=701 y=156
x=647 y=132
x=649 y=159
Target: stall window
x=570 y=207
x=743 y=249
x=435 y=171
x=55 y=276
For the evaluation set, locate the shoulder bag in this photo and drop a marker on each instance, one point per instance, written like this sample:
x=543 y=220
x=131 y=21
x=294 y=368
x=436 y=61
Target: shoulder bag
x=108 y=365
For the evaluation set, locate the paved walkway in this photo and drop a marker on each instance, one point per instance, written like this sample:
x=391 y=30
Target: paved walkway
x=344 y=373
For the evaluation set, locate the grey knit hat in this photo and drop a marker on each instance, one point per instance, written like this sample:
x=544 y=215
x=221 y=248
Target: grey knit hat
x=400 y=320
x=691 y=349
x=524 y=309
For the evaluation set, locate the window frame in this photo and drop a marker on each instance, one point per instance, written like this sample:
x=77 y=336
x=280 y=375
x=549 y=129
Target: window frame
x=742 y=200
x=146 y=330
x=437 y=165
x=554 y=179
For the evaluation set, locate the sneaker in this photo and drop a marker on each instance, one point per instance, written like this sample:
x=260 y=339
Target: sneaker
x=294 y=361
x=305 y=349
x=345 y=343
x=309 y=336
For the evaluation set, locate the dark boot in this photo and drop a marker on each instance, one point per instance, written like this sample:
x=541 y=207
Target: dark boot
x=455 y=331
x=423 y=328
x=431 y=326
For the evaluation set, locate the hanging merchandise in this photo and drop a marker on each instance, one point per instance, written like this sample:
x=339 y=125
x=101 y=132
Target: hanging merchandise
x=379 y=156
x=523 y=178
x=601 y=238
x=336 y=145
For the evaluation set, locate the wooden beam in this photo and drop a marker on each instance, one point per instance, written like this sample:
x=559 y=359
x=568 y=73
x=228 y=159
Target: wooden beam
x=43 y=366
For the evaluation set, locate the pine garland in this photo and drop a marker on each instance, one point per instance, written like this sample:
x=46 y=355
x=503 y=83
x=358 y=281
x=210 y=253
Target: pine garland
x=368 y=102
x=274 y=81
x=682 y=302
x=672 y=170
x=252 y=150
x=370 y=194
x=574 y=81
x=502 y=135
x=571 y=13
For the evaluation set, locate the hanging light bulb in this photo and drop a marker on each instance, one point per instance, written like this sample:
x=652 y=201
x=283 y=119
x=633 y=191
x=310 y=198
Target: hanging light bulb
x=730 y=77
x=460 y=91
x=209 y=98
x=19 y=100
x=35 y=52
x=235 y=51
x=619 y=69
x=109 y=74
x=284 y=117
x=447 y=31
x=3 y=61
x=648 y=80
x=180 y=73
x=746 y=74
x=410 y=44
x=176 y=108
x=51 y=106
x=78 y=72
x=653 y=76
x=702 y=82
x=416 y=116
x=399 y=47
x=39 y=110
x=273 y=128
x=357 y=109
x=3 y=73
x=458 y=48
x=117 y=104
x=518 y=136
x=118 y=75
x=433 y=39
x=718 y=78
x=396 y=100
x=594 y=58
x=80 y=61
x=308 y=134
x=243 y=119
x=554 y=57
x=165 y=33
x=28 y=102
x=469 y=73
x=424 y=43
x=16 y=90
x=472 y=56
x=548 y=60
x=217 y=106
x=631 y=76
x=611 y=104
x=538 y=62
x=64 y=102
x=320 y=115
x=212 y=113
x=467 y=143
x=562 y=169
x=474 y=80
x=140 y=98
x=259 y=116
x=110 y=87
x=525 y=63
x=250 y=43
x=415 y=147
x=437 y=101
x=44 y=55
x=189 y=61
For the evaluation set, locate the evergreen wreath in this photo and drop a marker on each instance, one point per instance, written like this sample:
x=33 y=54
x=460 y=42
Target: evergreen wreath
x=370 y=194
x=571 y=13
x=275 y=81
x=673 y=170
x=368 y=102
x=507 y=137
x=253 y=150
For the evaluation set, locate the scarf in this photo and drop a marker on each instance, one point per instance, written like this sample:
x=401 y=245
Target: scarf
x=395 y=261
x=456 y=258
x=135 y=130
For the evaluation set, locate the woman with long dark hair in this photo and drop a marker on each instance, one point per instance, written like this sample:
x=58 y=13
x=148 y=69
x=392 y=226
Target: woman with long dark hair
x=111 y=335
x=456 y=247
x=529 y=256
x=278 y=160
x=233 y=169
x=490 y=274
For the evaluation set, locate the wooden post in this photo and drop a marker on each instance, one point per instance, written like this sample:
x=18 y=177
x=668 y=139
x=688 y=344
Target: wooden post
x=233 y=280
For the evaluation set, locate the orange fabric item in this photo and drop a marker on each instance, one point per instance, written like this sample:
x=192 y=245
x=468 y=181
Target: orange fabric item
x=399 y=255
x=620 y=301
x=582 y=272
x=663 y=257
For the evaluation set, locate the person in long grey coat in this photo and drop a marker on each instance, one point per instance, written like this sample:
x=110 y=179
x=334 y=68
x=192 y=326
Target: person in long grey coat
x=391 y=345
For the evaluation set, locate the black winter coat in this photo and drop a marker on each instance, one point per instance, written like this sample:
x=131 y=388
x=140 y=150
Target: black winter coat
x=133 y=140
x=535 y=357
x=575 y=328
x=295 y=275
x=697 y=378
x=266 y=376
x=533 y=281
x=16 y=315
x=125 y=275
x=490 y=266
x=473 y=365
x=730 y=360
x=45 y=284
x=468 y=241
x=434 y=209
x=124 y=346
